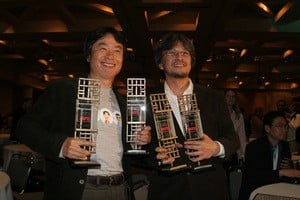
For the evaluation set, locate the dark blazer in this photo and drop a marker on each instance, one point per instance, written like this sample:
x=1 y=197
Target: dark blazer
x=44 y=129
x=206 y=184
x=259 y=165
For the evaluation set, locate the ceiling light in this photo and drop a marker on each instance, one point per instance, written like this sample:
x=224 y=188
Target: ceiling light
x=294 y=85
x=267 y=83
x=3 y=42
x=160 y=14
x=43 y=62
x=233 y=50
x=45 y=41
x=45 y=77
x=209 y=59
x=243 y=52
x=264 y=7
x=282 y=11
x=287 y=53
x=102 y=8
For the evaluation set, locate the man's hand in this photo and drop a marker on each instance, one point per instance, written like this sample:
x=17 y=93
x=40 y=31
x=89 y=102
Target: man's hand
x=163 y=156
x=293 y=173
x=201 y=149
x=144 y=137
x=72 y=148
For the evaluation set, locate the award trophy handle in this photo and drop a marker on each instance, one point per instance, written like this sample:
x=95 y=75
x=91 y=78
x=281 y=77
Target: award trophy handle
x=87 y=102
x=192 y=125
x=165 y=129
x=136 y=113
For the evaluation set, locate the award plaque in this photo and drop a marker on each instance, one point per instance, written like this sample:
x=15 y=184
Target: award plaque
x=165 y=129
x=192 y=125
x=136 y=113
x=88 y=97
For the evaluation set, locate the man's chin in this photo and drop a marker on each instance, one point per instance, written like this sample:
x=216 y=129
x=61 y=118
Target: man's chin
x=180 y=76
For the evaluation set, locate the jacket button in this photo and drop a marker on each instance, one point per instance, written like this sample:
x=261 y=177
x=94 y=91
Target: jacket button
x=81 y=181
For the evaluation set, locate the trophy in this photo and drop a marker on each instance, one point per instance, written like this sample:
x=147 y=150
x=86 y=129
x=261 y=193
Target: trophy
x=136 y=113
x=165 y=129
x=191 y=122
x=88 y=97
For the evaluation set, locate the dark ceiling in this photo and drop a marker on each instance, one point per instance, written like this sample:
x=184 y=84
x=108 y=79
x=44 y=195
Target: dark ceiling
x=238 y=44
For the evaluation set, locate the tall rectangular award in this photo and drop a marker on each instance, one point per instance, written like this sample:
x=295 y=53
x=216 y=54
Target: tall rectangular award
x=136 y=113
x=192 y=125
x=88 y=98
x=164 y=124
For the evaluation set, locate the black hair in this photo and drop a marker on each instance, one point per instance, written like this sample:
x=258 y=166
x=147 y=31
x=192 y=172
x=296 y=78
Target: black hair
x=295 y=109
x=168 y=41
x=98 y=33
x=271 y=116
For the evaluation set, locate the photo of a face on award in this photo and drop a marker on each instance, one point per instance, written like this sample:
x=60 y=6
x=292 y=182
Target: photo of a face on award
x=87 y=102
x=165 y=130
x=136 y=113
x=192 y=125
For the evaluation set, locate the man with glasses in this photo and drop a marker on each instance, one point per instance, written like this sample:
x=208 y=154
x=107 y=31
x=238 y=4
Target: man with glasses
x=268 y=159
x=175 y=57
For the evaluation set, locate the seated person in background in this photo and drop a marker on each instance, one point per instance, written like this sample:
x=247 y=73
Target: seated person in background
x=294 y=124
x=268 y=159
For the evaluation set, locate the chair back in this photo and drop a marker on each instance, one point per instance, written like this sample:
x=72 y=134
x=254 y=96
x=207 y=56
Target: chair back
x=235 y=180
x=19 y=171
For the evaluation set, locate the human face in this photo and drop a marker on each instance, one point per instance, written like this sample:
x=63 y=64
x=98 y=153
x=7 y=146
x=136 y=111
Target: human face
x=176 y=62
x=106 y=58
x=278 y=130
x=281 y=105
x=230 y=97
x=296 y=120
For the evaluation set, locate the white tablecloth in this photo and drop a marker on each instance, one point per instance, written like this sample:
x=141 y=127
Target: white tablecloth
x=278 y=189
x=5 y=187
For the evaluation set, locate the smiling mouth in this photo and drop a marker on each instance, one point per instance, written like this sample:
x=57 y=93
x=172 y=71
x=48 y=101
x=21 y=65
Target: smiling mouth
x=108 y=64
x=179 y=65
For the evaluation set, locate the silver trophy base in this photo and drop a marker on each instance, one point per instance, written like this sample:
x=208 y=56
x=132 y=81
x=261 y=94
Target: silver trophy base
x=86 y=163
x=136 y=152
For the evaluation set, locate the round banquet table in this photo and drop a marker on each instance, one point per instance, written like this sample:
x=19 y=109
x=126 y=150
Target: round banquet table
x=5 y=187
x=277 y=191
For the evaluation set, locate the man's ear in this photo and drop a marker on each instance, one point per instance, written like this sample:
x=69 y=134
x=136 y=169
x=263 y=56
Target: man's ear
x=88 y=58
x=160 y=66
x=267 y=128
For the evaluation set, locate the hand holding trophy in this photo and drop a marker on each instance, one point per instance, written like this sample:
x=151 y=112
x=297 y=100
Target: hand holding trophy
x=192 y=125
x=136 y=113
x=88 y=97
x=165 y=129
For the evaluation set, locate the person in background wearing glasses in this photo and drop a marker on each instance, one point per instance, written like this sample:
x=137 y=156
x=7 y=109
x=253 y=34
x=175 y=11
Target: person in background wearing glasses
x=175 y=57
x=268 y=159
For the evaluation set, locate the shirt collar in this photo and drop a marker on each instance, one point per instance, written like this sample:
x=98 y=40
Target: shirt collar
x=189 y=89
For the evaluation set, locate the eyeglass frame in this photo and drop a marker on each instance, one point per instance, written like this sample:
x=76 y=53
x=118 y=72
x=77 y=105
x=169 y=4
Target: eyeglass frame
x=174 y=53
x=281 y=126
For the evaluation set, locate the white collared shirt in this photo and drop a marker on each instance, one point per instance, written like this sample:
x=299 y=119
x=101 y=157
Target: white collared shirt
x=174 y=102
x=175 y=108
